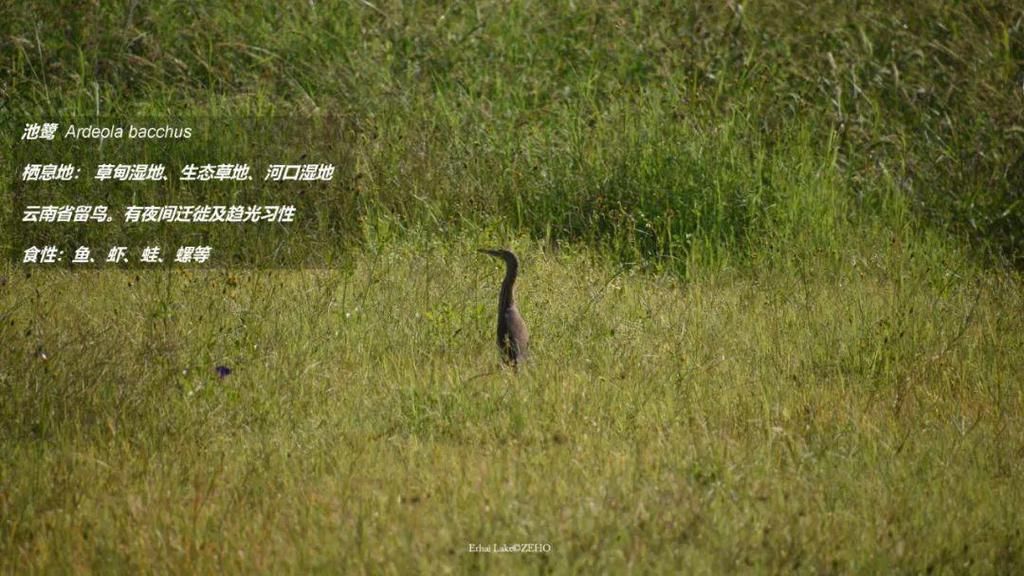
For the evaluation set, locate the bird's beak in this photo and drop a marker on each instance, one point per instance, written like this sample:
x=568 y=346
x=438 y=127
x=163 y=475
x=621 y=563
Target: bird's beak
x=494 y=253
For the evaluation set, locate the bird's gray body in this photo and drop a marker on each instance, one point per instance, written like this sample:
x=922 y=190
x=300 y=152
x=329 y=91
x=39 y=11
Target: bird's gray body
x=513 y=337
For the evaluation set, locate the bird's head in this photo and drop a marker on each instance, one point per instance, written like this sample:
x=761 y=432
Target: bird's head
x=505 y=255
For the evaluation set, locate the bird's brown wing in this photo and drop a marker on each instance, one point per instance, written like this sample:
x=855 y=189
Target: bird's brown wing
x=518 y=335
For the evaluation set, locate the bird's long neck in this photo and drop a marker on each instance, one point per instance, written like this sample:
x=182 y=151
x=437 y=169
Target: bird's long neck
x=507 y=298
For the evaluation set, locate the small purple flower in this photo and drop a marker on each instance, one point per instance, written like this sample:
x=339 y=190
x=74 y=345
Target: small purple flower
x=223 y=371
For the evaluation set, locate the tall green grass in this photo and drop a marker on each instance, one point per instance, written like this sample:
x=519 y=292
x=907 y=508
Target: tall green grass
x=926 y=97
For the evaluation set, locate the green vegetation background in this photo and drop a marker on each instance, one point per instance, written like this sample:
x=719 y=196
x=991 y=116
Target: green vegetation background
x=772 y=256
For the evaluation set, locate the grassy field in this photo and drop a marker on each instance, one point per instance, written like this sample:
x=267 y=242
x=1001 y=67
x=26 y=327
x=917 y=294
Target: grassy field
x=863 y=414
x=772 y=272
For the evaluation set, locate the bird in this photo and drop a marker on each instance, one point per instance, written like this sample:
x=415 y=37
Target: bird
x=513 y=337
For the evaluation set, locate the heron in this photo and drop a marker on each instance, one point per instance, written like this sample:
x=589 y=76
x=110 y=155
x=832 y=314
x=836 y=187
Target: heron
x=513 y=337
